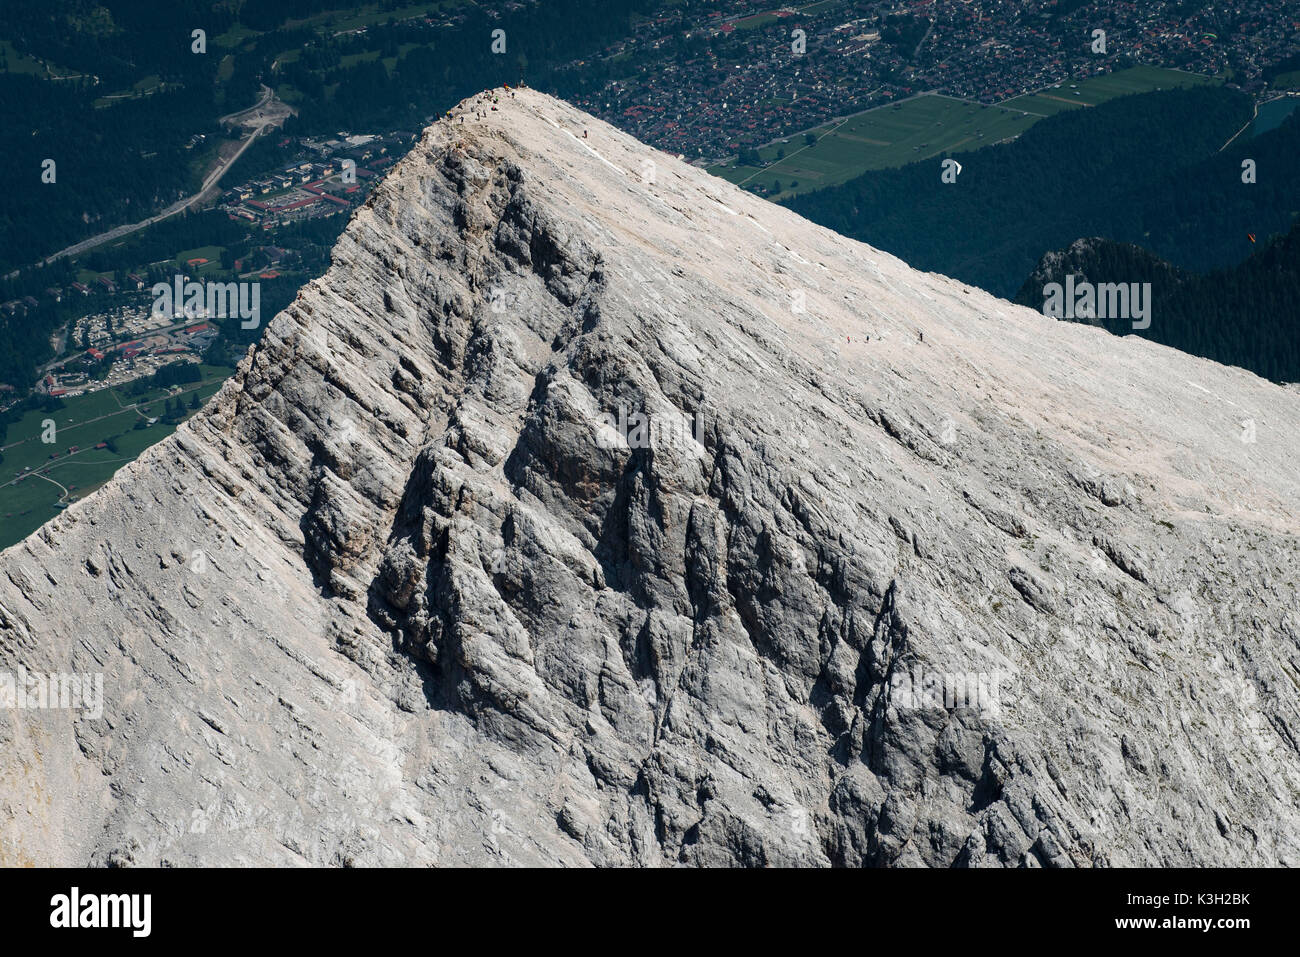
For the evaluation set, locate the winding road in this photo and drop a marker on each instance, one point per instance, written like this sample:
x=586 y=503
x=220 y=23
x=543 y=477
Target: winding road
x=268 y=111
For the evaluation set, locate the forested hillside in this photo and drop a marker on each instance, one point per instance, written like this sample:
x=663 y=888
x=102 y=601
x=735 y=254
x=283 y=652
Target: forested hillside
x=1144 y=169
x=1246 y=315
x=118 y=123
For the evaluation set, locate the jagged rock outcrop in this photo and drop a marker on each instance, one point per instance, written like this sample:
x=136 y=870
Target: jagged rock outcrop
x=401 y=594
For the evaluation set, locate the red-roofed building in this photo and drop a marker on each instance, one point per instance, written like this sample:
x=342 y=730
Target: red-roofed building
x=298 y=205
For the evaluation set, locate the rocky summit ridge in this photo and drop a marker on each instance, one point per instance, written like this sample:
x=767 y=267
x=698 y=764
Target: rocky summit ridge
x=898 y=573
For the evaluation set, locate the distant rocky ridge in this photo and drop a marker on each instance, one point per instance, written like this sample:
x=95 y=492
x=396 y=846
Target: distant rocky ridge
x=944 y=583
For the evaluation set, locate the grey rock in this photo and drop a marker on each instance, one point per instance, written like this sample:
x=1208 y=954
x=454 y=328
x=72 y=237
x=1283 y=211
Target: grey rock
x=1015 y=593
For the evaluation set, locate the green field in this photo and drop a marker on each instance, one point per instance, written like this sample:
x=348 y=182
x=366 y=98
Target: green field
x=16 y=62
x=87 y=276
x=756 y=21
x=236 y=35
x=817 y=6
x=84 y=421
x=916 y=129
x=211 y=253
x=1071 y=94
x=927 y=126
x=763 y=19
x=367 y=15
x=290 y=94
x=352 y=59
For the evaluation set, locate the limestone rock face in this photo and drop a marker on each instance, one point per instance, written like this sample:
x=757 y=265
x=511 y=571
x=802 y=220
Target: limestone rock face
x=897 y=574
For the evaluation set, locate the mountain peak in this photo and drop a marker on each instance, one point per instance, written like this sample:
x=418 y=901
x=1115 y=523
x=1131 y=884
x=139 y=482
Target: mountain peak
x=590 y=509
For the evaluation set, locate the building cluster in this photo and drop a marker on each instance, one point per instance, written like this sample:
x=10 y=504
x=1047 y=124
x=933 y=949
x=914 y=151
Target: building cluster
x=710 y=85
x=326 y=177
x=706 y=87
x=990 y=51
x=99 y=286
x=138 y=341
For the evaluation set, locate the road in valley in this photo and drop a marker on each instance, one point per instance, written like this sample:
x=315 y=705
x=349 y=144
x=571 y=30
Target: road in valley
x=268 y=111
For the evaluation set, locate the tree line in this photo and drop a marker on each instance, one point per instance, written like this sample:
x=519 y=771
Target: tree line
x=1246 y=315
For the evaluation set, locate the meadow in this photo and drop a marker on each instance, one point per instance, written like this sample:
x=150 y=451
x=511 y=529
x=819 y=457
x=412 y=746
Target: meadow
x=926 y=126
x=33 y=484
